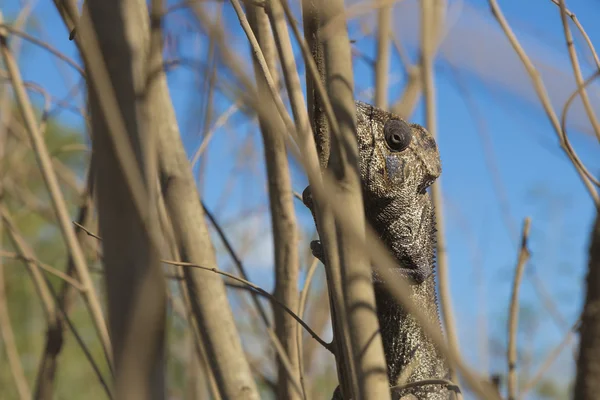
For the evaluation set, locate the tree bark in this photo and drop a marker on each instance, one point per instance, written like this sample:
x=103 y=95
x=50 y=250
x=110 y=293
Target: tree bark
x=587 y=384
x=211 y=308
x=134 y=279
x=283 y=217
x=362 y=323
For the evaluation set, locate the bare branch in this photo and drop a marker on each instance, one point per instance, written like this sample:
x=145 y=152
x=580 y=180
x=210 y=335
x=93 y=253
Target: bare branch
x=577 y=69
x=587 y=384
x=283 y=218
x=513 y=319
x=8 y=339
x=367 y=349
x=126 y=170
x=543 y=97
x=55 y=335
x=58 y=201
x=382 y=64
x=550 y=359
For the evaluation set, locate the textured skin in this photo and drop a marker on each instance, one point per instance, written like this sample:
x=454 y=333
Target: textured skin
x=399 y=208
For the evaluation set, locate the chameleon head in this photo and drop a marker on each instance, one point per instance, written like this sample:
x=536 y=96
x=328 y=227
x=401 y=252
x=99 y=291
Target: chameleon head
x=398 y=162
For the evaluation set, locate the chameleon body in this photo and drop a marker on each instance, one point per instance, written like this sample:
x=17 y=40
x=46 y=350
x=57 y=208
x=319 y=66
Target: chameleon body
x=398 y=162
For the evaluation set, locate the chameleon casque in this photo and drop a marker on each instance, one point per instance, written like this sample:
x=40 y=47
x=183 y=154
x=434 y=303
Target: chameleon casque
x=398 y=161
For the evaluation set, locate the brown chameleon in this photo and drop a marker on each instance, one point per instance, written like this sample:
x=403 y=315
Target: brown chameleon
x=398 y=162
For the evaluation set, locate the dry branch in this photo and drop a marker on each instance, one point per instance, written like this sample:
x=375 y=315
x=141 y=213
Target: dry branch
x=212 y=311
x=587 y=384
x=513 y=320
x=8 y=340
x=382 y=63
x=55 y=334
x=361 y=317
x=312 y=49
x=283 y=218
x=430 y=9
x=128 y=214
x=58 y=202
x=187 y=313
x=543 y=97
x=577 y=70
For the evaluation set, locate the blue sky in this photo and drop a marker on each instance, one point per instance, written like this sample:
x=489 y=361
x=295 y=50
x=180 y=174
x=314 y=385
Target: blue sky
x=478 y=103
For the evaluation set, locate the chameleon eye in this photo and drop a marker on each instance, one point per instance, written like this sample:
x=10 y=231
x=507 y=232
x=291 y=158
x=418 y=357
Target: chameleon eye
x=397 y=134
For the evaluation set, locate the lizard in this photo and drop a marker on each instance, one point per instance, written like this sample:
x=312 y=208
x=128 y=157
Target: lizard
x=398 y=161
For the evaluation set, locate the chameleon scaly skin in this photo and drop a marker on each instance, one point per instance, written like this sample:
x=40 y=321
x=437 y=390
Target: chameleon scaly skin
x=398 y=162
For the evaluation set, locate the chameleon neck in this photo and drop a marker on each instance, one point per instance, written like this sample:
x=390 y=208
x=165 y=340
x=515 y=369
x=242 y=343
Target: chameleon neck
x=408 y=350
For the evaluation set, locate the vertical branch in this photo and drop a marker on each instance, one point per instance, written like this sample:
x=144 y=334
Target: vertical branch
x=55 y=334
x=211 y=309
x=513 y=320
x=542 y=93
x=301 y=308
x=314 y=58
x=311 y=21
x=310 y=160
x=411 y=95
x=577 y=70
x=212 y=312
x=587 y=384
x=288 y=65
x=382 y=64
x=199 y=356
x=6 y=331
x=127 y=215
x=8 y=339
x=428 y=48
x=283 y=217
x=367 y=349
x=58 y=202
x=27 y=255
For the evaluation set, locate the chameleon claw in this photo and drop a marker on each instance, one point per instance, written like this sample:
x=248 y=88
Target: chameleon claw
x=317 y=250
x=307 y=198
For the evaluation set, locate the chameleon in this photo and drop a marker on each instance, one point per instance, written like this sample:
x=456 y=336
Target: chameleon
x=398 y=161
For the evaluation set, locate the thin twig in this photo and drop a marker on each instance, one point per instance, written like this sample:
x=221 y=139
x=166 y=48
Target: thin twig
x=26 y=254
x=513 y=319
x=252 y=286
x=286 y=362
x=58 y=201
x=187 y=313
x=428 y=48
x=382 y=64
x=222 y=120
x=577 y=70
x=301 y=310
x=259 y=290
x=312 y=70
x=563 y=125
x=40 y=43
x=583 y=33
x=64 y=301
x=48 y=268
x=81 y=342
x=540 y=89
x=547 y=363
x=10 y=347
x=281 y=202
x=236 y=260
